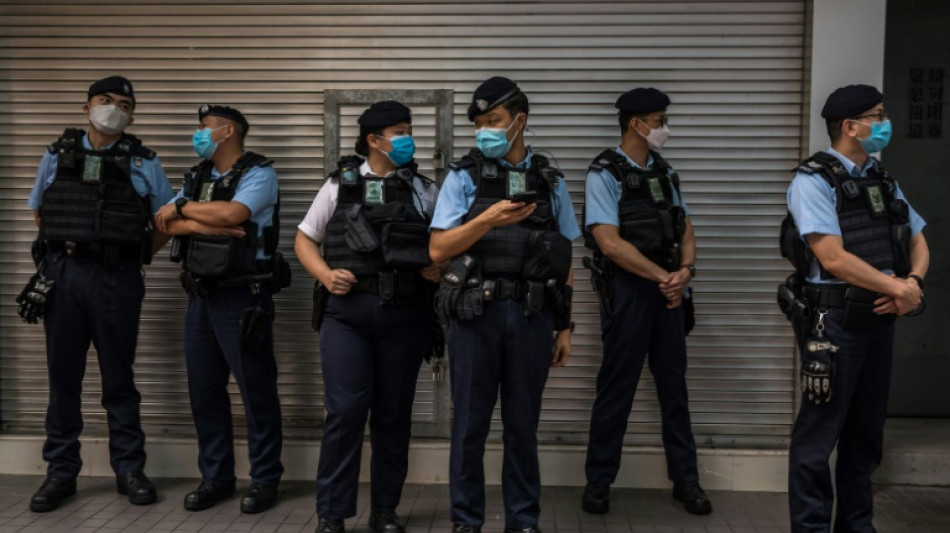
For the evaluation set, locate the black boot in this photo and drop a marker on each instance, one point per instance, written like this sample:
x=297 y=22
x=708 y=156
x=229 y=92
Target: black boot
x=259 y=498
x=385 y=520
x=693 y=497
x=52 y=493
x=331 y=525
x=137 y=487
x=207 y=495
x=596 y=498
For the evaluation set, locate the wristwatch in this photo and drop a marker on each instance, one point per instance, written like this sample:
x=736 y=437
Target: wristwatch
x=920 y=280
x=179 y=203
x=691 y=268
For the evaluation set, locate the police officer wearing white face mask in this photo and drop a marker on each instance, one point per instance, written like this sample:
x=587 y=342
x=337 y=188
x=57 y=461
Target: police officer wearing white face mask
x=644 y=249
x=95 y=195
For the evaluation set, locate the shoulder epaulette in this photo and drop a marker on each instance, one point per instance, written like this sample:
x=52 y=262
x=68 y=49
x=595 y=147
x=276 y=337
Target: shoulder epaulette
x=611 y=161
x=136 y=147
x=69 y=136
x=825 y=165
x=469 y=161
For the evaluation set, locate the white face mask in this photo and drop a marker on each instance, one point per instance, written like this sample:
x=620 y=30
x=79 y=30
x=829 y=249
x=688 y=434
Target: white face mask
x=657 y=138
x=108 y=119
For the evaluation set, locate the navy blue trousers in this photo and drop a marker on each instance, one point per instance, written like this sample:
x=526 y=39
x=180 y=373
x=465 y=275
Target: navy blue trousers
x=92 y=304
x=854 y=421
x=370 y=356
x=500 y=350
x=212 y=353
x=641 y=328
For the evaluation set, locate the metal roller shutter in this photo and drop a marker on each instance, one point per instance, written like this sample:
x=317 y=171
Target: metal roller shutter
x=733 y=69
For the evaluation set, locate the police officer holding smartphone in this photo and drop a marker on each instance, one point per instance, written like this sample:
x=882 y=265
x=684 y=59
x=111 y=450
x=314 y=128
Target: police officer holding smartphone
x=506 y=221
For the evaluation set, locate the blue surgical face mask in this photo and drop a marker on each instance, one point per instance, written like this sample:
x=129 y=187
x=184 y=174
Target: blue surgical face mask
x=879 y=138
x=493 y=142
x=202 y=143
x=404 y=147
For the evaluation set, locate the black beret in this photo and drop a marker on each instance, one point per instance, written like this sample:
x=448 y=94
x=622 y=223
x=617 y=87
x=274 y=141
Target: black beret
x=384 y=114
x=642 y=100
x=850 y=101
x=112 y=84
x=225 y=112
x=490 y=94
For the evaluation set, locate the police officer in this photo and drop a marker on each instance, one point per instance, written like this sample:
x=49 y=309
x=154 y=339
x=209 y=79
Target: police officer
x=865 y=265
x=372 y=218
x=505 y=216
x=227 y=212
x=644 y=244
x=93 y=201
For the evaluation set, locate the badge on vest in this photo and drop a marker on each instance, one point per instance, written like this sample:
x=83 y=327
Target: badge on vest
x=348 y=176
x=207 y=191
x=656 y=190
x=876 y=198
x=373 y=193
x=517 y=183
x=92 y=169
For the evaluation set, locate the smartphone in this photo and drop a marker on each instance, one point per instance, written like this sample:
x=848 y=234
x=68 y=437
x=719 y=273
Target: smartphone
x=527 y=197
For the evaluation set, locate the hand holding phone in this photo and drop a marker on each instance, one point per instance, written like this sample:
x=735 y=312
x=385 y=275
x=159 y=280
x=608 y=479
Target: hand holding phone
x=528 y=197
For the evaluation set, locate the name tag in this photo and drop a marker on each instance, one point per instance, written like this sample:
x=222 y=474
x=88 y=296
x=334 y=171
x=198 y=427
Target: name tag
x=656 y=190
x=876 y=198
x=373 y=193
x=207 y=191
x=92 y=169
x=517 y=183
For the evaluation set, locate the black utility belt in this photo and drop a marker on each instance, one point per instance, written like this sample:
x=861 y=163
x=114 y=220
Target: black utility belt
x=858 y=303
x=393 y=288
x=828 y=295
x=109 y=255
x=504 y=289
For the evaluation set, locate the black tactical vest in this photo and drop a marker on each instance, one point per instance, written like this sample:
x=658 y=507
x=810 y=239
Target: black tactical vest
x=874 y=223
x=219 y=256
x=648 y=217
x=502 y=250
x=92 y=198
x=386 y=232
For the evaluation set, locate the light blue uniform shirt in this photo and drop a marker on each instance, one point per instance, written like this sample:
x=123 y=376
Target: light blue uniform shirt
x=458 y=194
x=813 y=205
x=148 y=178
x=257 y=190
x=602 y=192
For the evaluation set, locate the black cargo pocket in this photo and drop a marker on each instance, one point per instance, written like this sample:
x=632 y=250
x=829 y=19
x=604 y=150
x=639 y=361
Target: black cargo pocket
x=210 y=255
x=119 y=222
x=547 y=256
x=643 y=230
x=406 y=245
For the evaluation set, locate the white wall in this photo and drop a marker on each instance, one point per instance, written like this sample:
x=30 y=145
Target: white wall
x=847 y=48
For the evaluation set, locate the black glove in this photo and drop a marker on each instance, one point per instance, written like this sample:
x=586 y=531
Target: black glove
x=253 y=323
x=818 y=370
x=34 y=297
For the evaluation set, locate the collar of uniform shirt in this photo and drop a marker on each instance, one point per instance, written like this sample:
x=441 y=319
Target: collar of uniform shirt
x=850 y=166
x=366 y=170
x=523 y=164
x=634 y=163
x=87 y=144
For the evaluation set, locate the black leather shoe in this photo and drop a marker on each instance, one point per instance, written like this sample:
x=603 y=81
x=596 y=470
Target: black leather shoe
x=137 y=487
x=693 y=497
x=207 y=494
x=52 y=493
x=385 y=520
x=523 y=530
x=463 y=528
x=259 y=498
x=596 y=498
x=330 y=525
